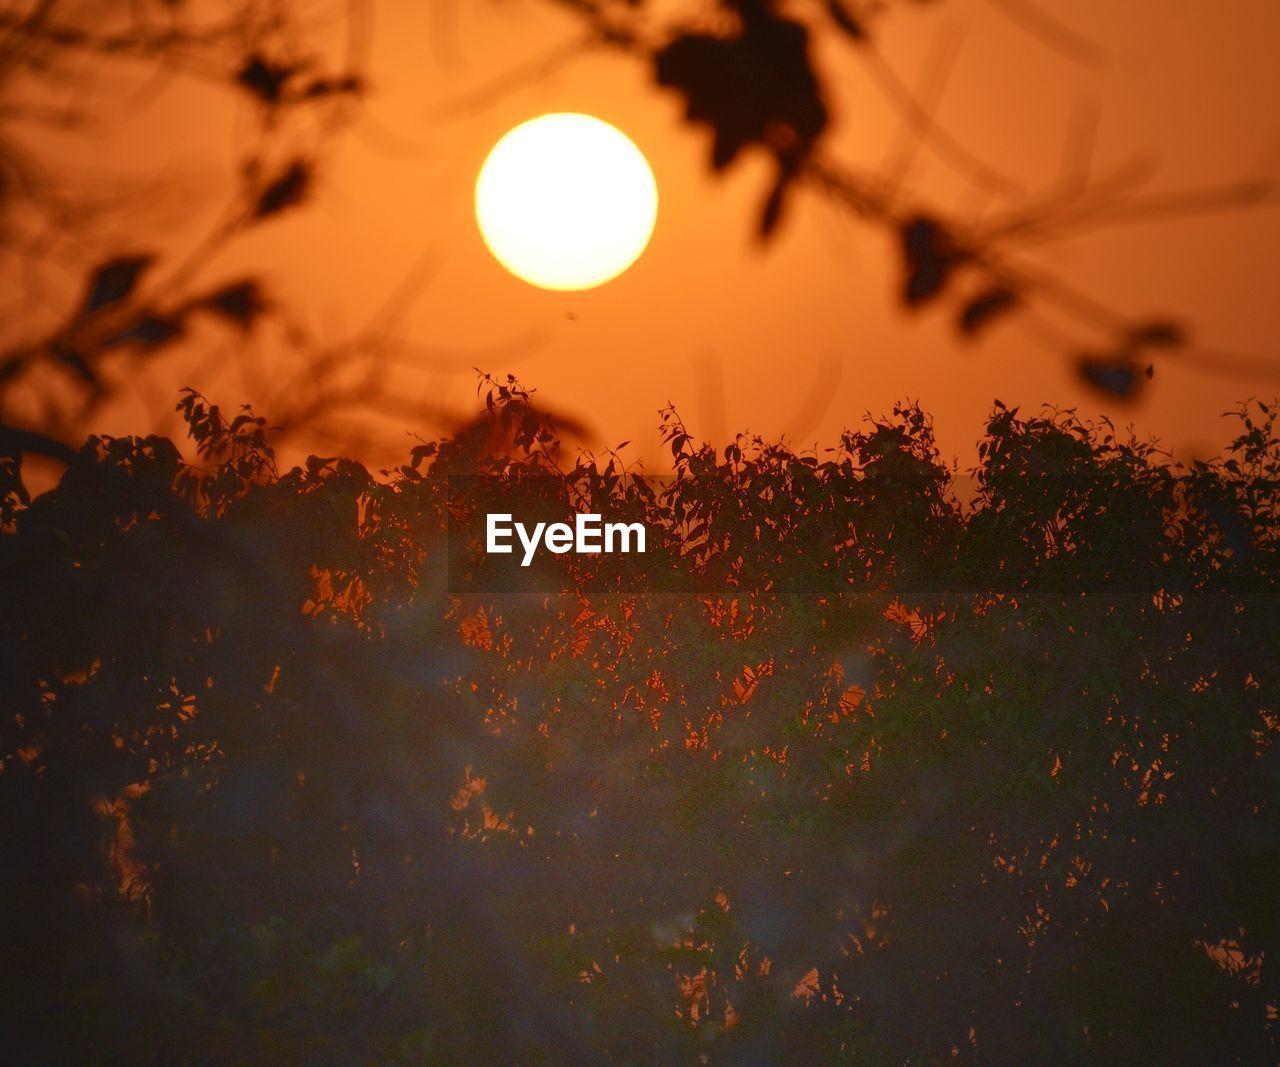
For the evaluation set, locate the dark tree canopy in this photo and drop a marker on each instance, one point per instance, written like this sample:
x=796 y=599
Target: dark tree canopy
x=916 y=769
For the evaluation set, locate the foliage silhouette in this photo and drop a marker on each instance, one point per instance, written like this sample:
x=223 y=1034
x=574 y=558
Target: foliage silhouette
x=927 y=769
x=860 y=761
x=749 y=71
x=139 y=294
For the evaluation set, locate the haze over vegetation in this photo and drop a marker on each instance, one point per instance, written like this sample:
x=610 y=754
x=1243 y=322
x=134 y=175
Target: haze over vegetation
x=872 y=756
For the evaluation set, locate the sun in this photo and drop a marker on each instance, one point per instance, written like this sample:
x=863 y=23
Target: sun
x=566 y=201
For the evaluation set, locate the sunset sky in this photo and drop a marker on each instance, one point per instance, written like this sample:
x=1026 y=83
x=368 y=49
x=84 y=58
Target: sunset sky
x=359 y=709
x=799 y=336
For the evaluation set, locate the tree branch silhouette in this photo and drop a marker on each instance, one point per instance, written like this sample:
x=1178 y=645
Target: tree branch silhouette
x=748 y=76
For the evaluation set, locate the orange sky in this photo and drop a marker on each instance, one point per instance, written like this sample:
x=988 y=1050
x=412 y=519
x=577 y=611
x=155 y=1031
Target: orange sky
x=800 y=337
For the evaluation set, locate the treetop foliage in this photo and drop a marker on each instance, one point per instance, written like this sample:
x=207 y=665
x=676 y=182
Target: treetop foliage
x=922 y=768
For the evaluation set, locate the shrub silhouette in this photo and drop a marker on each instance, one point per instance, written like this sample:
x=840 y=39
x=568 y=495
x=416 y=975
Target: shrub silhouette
x=910 y=769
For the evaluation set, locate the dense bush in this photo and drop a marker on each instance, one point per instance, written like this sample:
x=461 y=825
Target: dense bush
x=861 y=762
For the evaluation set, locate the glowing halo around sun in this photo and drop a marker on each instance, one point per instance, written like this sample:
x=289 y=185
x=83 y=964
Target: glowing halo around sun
x=566 y=201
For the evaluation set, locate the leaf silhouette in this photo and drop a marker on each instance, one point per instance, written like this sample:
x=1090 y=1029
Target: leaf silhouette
x=1115 y=376
x=846 y=20
x=239 y=302
x=1119 y=373
x=774 y=204
x=422 y=452
x=264 y=79
x=756 y=87
x=114 y=281
x=987 y=306
x=286 y=191
x=149 y=331
x=929 y=258
x=77 y=364
x=347 y=84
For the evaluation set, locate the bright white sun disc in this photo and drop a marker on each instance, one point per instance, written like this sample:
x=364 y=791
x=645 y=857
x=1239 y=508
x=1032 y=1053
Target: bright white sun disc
x=566 y=201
